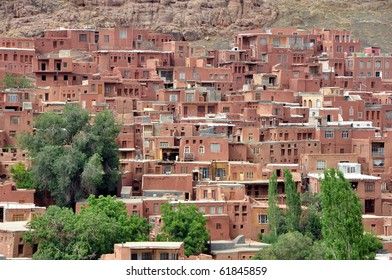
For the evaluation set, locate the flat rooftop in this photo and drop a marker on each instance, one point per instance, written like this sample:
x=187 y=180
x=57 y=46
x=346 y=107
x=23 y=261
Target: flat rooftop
x=152 y=245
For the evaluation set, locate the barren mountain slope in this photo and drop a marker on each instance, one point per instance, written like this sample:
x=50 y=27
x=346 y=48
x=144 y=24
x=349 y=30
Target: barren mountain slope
x=195 y=19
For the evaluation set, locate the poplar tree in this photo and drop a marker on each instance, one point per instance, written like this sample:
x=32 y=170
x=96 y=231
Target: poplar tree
x=293 y=203
x=342 y=228
x=273 y=211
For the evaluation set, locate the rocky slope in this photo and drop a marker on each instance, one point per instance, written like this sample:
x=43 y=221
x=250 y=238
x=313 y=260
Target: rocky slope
x=195 y=19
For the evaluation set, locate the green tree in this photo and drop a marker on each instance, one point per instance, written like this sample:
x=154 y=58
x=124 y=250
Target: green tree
x=22 y=176
x=292 y=246
x=63 y=235
x=184 y=223
x=273 y=211
x=12 y=81
x=310 y=223
x=72 y=158
x=293 y=203
x=342 y=228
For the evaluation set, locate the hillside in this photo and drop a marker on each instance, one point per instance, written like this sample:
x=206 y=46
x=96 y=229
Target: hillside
x=196 y=19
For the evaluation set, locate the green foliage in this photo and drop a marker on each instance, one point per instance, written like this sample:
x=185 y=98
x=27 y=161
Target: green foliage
x=310 y=223
x=22 y=176
x=293 y=203
x=184 y=223
x=269 y=238
x=63 y=235
x=71 y=157
x=273 y=211
x=291 y=246
x=11 y=81
x=342 y=228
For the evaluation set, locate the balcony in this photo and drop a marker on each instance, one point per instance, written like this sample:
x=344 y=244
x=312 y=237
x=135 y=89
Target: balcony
x=189 y=156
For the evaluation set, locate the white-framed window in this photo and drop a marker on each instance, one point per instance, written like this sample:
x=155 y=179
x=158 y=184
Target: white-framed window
x=182 y=75
x=345 y=134
x=263 y=219
x=202 y=210
x=320 y=165
x=368 y=64
x=250 y=136
x=256 y=150
x=219 y=209
x=173 y=97
x=328 y=134
x=201 y=150
x=212 y=209
x=263 y=41
x=123 y=34
x=205 y=172
x=378 y=64
x=351 y=169
x=187 y=149
x=359 y=115
x=14 y=120
x=264 y=57
x=215 y=148
x=249 y=175
x=12 y=97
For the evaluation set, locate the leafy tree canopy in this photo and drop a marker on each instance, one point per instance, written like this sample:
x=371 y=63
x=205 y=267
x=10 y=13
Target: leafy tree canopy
x=63 y=235
x=72 y=158
x=184 y=223
x=292 y=246
x=12 y=81
x=342 y=228
x=22 y=176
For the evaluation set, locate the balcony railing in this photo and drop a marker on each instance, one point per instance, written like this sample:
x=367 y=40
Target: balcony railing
x=189 y=156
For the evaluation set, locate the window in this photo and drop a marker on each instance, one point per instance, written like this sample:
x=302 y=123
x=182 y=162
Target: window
x=182 y=76
x=106 y=38
x=173 y=97
x=386 y=64
x=187 y=149
x=218 y=226
x=339 y=48
x=249 y=175
x=369 y=187
x=378 y=64
x=220 y=173
x=263 y=219
x=14 y=120
x=212 y=210
x=219 y=209
x=264 y=57
x=123 y=34
x=202 y=210
x=138 y=170
x=201 y=150
x=146 y=256
x=215 y=148
x=361 y=64
x=195 y=75
x=328 y=134
x=256 y=150
x=43 y=78
x=155 y=208
x=344 y=134
x=320 y=165
x=205 y=172
x=351 y=49
x=368 y=64
x=82 y=37
x=164 y=256
x=263 y=41
x=190 y=97
x=174 y=256
x=350 y=63
x=12 y=133
x=18 y=218
x=184 y=169
x=164 y=144
x=139 y=37
x=250 y=136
